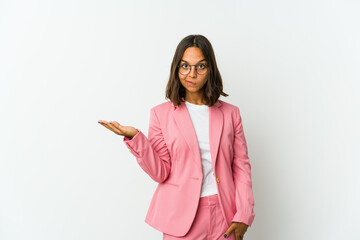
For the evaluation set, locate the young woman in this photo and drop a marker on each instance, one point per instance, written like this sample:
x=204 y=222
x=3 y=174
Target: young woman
x=196 y=151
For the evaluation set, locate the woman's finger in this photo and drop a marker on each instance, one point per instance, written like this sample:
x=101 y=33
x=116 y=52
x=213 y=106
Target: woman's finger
x=110 y=127
x=107 y=125
x=239 y=236
x=120 y=128
x=117 y=125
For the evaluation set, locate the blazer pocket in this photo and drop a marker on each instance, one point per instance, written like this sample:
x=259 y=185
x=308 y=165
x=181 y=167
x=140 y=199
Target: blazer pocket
x=170 y=183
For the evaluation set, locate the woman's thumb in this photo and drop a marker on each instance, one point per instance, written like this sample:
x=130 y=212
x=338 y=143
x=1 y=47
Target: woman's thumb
x=229 y=231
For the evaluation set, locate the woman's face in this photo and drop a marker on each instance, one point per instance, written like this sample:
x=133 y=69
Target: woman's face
x=193 y=56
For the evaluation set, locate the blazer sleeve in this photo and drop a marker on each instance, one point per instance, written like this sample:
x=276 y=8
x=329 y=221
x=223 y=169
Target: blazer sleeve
x=241 y=170
x=151 y=153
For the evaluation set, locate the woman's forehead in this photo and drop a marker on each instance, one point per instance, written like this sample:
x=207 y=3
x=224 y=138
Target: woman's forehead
x=193 y=55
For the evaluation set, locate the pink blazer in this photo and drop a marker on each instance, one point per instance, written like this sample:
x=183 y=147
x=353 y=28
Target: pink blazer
x=170 y=155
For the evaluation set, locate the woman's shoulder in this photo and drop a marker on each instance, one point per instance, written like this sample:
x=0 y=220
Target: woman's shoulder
x=227 y=106
x=163 y=106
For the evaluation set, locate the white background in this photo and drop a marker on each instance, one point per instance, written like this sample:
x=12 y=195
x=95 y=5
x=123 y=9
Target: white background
x=292 y=67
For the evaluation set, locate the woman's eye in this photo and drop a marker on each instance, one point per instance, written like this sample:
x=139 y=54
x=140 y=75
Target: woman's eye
x=184 y=65
x=201 y=66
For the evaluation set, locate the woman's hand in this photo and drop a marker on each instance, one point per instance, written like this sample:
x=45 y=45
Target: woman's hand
x=239 y=229
x=126 y=131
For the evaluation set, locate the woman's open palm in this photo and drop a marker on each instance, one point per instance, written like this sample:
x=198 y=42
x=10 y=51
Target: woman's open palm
x=114 y=126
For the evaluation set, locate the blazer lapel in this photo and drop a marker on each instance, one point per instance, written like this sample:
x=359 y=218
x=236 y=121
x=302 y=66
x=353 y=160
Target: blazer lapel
x=216 y=122
x=186 y=127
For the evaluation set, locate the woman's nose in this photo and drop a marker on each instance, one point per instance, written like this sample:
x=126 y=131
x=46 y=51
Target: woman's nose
x=192 y=72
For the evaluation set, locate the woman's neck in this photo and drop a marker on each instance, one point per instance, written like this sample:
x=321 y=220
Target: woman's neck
x=194 y=100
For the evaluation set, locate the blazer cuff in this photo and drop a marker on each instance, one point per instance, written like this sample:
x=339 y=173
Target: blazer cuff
x=244 y=217
x=135 y=144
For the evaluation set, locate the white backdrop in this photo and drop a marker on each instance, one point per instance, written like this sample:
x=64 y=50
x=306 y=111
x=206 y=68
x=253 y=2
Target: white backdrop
x=292 y=67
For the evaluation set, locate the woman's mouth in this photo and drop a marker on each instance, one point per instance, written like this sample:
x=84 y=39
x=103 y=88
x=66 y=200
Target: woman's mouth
x=190 y=83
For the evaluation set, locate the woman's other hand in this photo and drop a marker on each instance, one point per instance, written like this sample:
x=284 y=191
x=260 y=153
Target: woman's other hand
x=239 y=230
x=114 y=126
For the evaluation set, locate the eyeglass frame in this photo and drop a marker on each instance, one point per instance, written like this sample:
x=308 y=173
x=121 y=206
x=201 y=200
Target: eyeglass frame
x=178 y=66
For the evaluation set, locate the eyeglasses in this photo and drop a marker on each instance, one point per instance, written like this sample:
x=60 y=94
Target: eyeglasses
x=185 y=68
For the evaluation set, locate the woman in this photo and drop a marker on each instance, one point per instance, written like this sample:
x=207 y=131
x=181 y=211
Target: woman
x=196 y=151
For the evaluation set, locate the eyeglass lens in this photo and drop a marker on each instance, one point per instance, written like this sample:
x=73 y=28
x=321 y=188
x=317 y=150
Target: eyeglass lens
x=200 y=68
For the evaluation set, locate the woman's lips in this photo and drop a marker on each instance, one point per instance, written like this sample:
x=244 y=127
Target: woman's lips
x=190 y=83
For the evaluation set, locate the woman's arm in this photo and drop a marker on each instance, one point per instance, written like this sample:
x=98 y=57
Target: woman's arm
x=151 y=153
x=241 y=169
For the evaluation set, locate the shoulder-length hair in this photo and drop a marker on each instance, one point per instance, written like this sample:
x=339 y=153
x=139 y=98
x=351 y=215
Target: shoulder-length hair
x=213 y=87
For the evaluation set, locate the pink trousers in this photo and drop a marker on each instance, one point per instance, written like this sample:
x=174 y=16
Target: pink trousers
x=209 y=223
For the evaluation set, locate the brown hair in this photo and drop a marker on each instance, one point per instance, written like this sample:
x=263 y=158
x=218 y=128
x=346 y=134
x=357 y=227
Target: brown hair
x=213 y=87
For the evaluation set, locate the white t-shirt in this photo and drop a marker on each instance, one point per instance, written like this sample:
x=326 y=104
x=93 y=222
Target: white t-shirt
x=199 y=115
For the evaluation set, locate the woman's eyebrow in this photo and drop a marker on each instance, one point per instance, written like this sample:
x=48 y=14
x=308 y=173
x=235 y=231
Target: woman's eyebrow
x=197 y=62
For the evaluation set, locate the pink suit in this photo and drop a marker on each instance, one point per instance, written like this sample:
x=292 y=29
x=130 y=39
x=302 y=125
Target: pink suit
x=171 y=156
